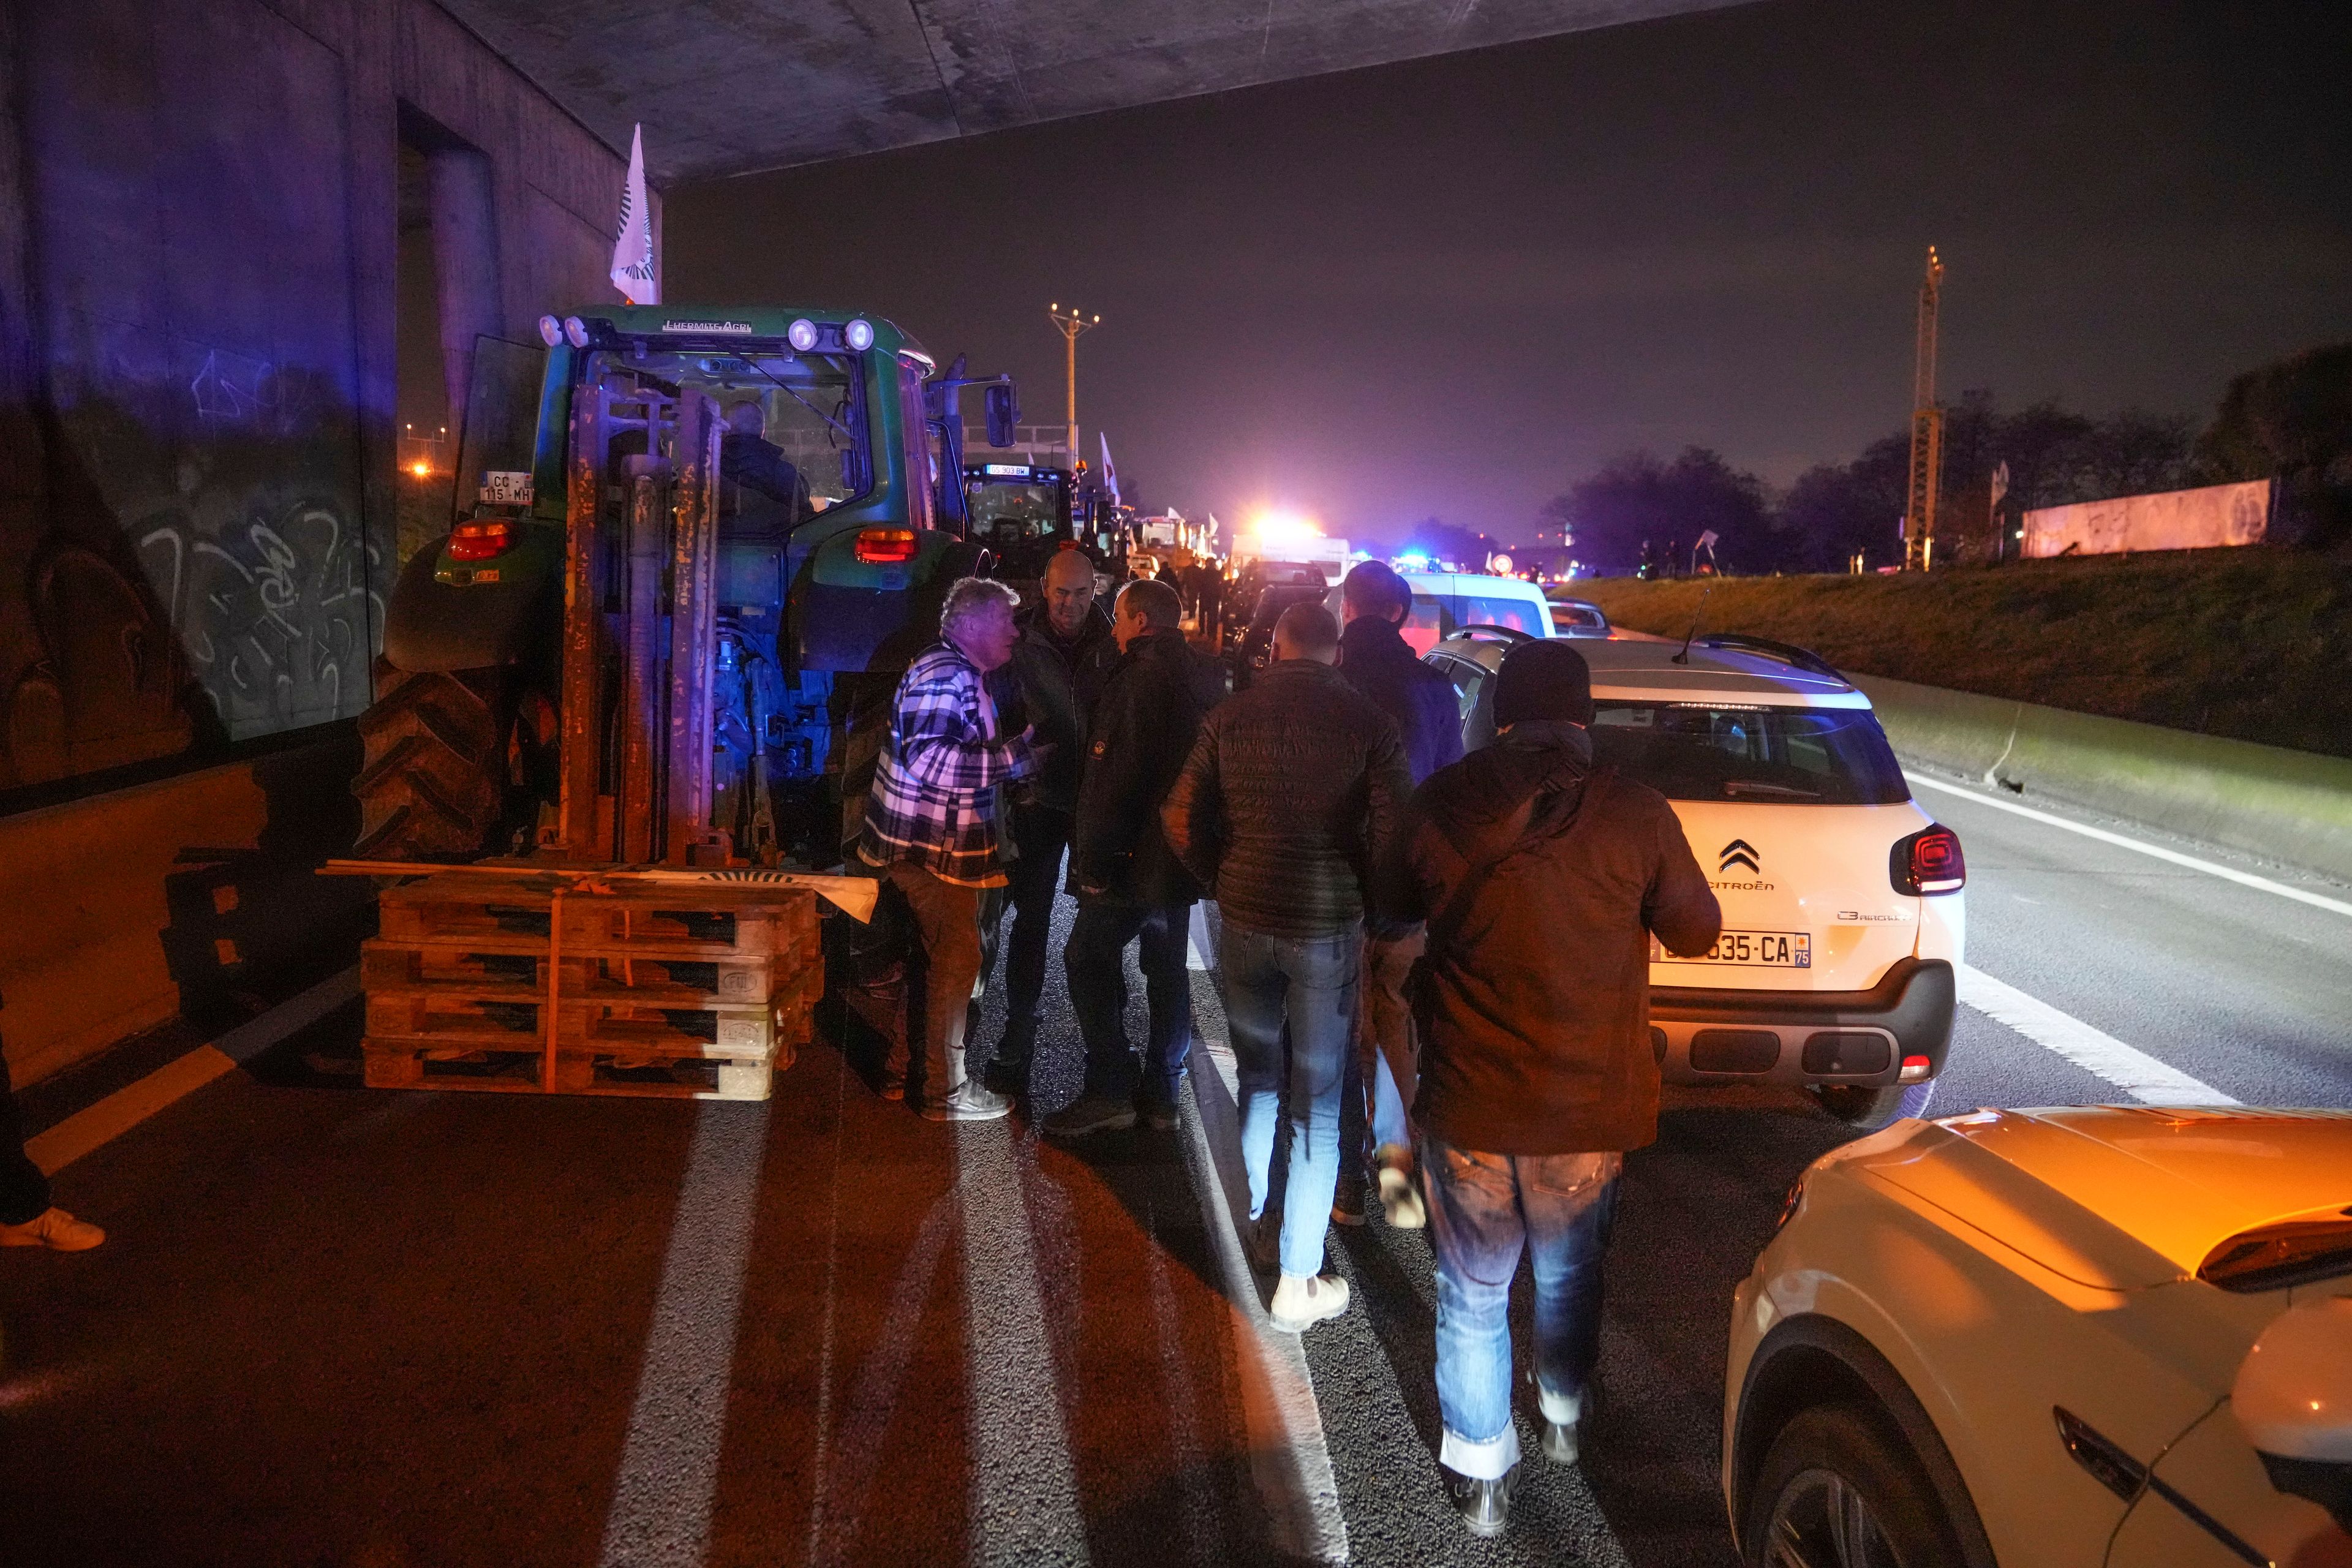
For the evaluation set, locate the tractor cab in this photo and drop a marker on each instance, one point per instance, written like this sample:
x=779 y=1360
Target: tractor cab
x=1020 y=511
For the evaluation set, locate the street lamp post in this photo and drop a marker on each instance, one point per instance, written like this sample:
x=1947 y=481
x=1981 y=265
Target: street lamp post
x=1071 y=322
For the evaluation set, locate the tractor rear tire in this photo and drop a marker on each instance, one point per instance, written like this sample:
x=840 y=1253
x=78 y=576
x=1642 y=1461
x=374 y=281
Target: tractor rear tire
x=433 y=781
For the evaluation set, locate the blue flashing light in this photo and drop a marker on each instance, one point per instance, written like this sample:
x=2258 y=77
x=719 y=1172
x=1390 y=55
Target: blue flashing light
x=1413 y=561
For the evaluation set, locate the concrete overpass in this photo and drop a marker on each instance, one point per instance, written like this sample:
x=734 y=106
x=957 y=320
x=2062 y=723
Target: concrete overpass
x=244 y=244
x=765 y=83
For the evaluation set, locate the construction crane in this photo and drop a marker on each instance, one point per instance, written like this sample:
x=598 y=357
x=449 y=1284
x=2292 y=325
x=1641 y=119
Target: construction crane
x=1927 y=430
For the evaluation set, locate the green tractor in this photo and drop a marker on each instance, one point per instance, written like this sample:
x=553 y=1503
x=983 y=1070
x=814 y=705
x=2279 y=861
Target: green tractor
x=693 y=551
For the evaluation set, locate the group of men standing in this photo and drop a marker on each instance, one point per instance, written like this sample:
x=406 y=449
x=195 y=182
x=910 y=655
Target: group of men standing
x=1457 y=946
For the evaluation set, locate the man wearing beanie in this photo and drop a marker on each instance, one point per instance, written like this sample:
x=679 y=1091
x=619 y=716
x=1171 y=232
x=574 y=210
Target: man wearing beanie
x=1542 y=880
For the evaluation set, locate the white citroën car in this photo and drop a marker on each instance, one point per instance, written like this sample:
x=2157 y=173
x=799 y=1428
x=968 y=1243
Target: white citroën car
x=1842 y=918
x=2097 y=1337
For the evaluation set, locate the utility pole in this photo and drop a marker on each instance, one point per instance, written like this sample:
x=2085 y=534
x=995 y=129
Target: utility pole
x=1072 y=321
x=1926 y=429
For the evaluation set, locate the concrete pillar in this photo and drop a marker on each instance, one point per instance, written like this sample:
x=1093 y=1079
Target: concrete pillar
x=466 y=260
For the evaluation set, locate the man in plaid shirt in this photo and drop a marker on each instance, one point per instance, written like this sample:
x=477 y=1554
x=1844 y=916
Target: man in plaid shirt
x=930 y=827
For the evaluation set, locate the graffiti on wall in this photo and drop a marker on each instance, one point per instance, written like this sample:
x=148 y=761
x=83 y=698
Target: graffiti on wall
x=273 y=618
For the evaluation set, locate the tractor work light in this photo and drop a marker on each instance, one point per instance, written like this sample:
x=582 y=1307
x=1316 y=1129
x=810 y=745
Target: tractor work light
x=1929 y=861
x=481 y=540
x=550 y=331
x=886 y=546
x=859 y=335
x=802 y=335
x=575 y=331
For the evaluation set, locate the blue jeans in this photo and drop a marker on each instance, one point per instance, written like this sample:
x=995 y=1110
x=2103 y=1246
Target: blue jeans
x=1095 y=967
x=1482 y=1209
x=1309 y=983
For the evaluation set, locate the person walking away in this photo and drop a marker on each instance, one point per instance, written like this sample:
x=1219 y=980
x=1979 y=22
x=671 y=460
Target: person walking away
x=1064 y=655
x=27 y=1219
x=1281 y=812
x=1129 y=885
x=1377 y=660
x=1542 y=880
x=1204 y=591
x=930 y=827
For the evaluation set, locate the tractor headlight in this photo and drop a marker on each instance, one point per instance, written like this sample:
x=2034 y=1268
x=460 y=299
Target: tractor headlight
x=575 y=331
x=802 y=335
x=550 y=331
x=859 y=335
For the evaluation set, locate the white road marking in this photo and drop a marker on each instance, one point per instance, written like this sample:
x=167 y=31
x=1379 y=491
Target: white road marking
x=1282 y=1426
x=668 y=1479
x=2212 y=868
x=1024 y=1485
x=2127 y=1068
x=96 y=1125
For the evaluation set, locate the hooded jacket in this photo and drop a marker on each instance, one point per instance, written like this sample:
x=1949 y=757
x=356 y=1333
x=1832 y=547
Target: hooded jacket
x=1533 y=999
x=1379 y=662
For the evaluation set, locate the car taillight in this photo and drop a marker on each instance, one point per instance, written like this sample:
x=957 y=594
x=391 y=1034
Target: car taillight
x=1928 y=861
x=886 y=545
x=481 y=540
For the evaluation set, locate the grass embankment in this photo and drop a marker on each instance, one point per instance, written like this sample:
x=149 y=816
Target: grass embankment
x=2255 y=644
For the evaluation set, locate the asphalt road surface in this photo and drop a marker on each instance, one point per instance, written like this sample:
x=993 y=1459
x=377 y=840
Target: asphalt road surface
x=340 y=1326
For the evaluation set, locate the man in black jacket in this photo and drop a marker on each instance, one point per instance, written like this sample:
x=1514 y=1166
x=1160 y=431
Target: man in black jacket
x=1377 y=660
x=1542 y=881
x=1285 y=806
x=1130 y=887
x=1058 y=666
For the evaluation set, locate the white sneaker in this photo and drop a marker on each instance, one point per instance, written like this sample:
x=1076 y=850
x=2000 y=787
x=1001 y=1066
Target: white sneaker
x=969 y=1100
x=1402 y=1199
x=54 y=1229
x=1304 y=1299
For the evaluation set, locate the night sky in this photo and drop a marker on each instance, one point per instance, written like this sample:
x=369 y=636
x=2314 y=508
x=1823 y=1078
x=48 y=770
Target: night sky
x=1455 y=286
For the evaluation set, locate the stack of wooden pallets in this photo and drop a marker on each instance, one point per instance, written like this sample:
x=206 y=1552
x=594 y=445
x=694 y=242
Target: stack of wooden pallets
x=527 y=985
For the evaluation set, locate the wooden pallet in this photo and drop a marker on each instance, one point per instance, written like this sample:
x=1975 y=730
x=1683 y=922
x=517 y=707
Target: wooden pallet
x=707 y=926
x=460 y=968
x=514 y=986
x=392 y=1064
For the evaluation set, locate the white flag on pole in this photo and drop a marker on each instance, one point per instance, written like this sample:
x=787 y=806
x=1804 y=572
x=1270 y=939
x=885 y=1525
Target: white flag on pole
x=633 y=252
x=1110 y=474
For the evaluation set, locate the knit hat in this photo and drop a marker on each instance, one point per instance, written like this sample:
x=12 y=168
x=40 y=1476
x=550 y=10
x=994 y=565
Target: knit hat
x=1543 y=679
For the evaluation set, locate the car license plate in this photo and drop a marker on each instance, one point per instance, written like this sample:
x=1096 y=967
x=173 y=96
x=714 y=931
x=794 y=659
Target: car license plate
x=1772 y=949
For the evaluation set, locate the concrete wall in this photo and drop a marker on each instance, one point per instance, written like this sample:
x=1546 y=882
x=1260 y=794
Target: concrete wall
x=173 y=899
x=198 y=259
x=2200 y=518
x=2294 y=808
x=198 y=254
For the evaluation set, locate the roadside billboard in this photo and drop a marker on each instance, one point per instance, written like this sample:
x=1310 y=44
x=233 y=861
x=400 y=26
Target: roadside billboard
x=2173 y=520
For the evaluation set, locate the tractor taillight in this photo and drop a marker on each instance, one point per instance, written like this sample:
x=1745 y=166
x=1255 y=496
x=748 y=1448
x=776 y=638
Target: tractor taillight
x=1929 y=861
x=481 y=540
x=886 y=545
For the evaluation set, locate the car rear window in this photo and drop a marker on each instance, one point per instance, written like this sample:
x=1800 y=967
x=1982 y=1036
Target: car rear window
x=1799 y=756
x=1528 y=616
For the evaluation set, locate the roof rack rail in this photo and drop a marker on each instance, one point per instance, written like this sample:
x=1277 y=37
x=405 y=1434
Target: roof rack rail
x=1501 y=633
x=1787 y=653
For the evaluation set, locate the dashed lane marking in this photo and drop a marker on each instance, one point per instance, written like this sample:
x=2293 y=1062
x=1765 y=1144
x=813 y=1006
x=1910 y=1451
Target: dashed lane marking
x=2123 y=841
x=2127 y=1068
x=97 y=1125
x=669 y=1480
x=1024 y=1485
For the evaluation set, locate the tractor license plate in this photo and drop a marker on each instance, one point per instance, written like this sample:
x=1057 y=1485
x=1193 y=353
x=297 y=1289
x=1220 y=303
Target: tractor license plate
x=1770 y=949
